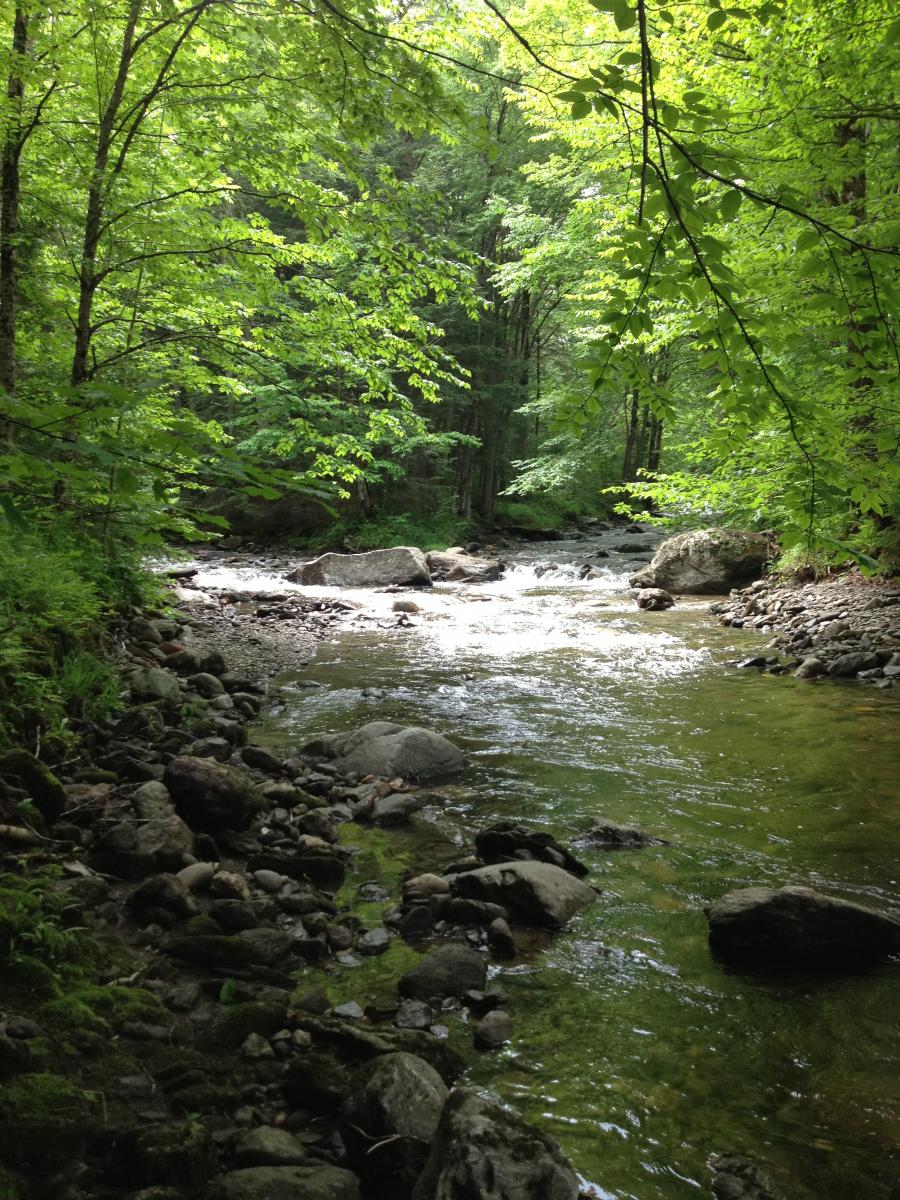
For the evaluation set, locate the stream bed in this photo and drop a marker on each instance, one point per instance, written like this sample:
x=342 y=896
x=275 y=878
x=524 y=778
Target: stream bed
x=639 y=1052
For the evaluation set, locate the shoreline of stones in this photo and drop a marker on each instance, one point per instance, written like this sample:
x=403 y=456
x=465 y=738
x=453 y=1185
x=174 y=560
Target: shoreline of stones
x=216 y=863
x=845 y=629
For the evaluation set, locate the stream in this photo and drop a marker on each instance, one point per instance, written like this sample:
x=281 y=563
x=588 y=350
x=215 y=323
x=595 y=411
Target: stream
x=639 y=1052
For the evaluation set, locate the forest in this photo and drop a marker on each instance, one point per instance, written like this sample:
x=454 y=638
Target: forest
x=280 y=278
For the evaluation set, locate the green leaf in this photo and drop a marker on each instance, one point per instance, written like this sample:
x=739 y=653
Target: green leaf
x=808 y=238
x=716 y=19
x=624 y=16
x=13 y=517
x=730 y=204
x=580 y=108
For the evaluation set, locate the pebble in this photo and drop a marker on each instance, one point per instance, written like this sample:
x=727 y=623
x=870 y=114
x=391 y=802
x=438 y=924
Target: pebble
x=269 y=881
x=197 y=876
x=349 y=1011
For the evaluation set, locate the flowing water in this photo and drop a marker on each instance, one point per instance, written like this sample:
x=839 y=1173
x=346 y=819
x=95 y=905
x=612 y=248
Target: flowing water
x=633 y=1046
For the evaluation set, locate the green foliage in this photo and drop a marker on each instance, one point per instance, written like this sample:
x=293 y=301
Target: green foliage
x=550 y=512
x=56 y=593
x=32 y=925
x=433 y=531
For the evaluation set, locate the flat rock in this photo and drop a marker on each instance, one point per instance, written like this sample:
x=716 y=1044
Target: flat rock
x=286 y=1183
x=400 y=565
x=533 y=893
x=799 y=924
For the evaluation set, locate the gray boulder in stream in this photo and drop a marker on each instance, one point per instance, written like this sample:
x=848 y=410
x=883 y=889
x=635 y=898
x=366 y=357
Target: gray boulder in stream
x=797 y=924
x=533 y=893
x=706 y=561
x=391 y=751
x=481 y=1149
x=456 y=566
x=400 y=565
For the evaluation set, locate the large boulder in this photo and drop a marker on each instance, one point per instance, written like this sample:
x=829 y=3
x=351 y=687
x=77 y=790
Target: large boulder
x=455 y=566
x=383 y=748
x=395 y=1107
x=481 y=1149
x=533 y=893
x=401 y=565
x=705 y=561
x=799 y=924
x=451 y=970
x=211 y=796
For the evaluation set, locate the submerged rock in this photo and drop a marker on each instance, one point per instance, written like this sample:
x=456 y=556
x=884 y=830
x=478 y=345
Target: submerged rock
x=738 y=1178
x=799 y=924
x=705 y=560
x=533 y=893
x=481 y=1149
x=377 y=568
x=611 y=835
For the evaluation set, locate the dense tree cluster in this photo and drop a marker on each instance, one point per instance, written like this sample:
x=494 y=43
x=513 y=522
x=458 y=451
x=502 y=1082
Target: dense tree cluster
x=424 y=257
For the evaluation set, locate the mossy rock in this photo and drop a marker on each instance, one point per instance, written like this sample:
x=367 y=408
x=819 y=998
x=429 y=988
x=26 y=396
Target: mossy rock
x=28 y=981
x=44 y=1120
x=179 y=1155
x=119 y=1005
x=208 y=950
x=74 y=1025
x=206 y=1098
x=229 y=1027
x=318 y=1081
x=45 y=789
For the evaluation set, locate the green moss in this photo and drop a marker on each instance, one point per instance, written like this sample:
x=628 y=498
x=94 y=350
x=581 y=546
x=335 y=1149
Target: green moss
x=207 y=950
x=27 y=981
x=74 y=1025
x=43 y=1120
x=229 y=1027
x=120 y=1004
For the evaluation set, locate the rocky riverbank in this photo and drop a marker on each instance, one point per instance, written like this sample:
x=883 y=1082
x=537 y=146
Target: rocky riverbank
x=202 y=911
x=184 y=1044
x=847 y=628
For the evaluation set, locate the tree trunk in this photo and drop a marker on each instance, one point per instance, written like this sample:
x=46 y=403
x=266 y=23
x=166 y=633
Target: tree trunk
x=9 y=216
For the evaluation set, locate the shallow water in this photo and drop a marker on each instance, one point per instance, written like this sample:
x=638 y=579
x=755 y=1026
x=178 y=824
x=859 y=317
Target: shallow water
x=638 y=1051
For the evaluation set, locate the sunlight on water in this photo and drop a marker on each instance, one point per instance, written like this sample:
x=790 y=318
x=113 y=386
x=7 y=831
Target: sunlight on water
x=632 y=1046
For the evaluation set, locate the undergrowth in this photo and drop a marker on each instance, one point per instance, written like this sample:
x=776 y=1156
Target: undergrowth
x=57 y=592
